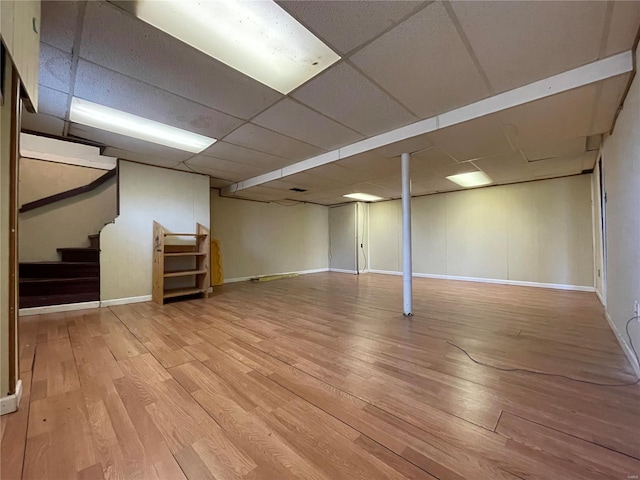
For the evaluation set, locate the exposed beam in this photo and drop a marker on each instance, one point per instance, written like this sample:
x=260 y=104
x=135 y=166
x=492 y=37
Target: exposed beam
x=578 y=77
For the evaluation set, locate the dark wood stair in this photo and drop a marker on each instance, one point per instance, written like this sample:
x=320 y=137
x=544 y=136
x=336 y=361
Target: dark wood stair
x=74 y=279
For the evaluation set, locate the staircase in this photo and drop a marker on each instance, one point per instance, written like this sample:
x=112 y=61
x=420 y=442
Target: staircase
x=74 y=279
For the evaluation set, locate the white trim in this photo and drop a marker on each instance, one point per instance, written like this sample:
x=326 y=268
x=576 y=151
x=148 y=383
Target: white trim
x=557 y=286
x=625 y=346
x=53 y=150
x=10 y=403
x=124 y=301
x=562 y=82
x=299 y=272
x=66 y=307
x=342 y=270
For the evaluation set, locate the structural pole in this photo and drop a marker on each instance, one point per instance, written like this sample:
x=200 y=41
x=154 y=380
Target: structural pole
x=407 y=286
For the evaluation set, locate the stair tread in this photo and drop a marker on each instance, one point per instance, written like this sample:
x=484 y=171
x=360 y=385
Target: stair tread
x=58 y=299
x=57 y=262
x=58 y=279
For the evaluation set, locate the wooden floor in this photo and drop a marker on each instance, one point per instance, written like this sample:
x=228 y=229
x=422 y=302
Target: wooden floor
x=320 y=377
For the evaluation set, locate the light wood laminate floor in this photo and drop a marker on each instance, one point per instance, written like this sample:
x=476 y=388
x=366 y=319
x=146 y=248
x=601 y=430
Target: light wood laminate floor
x=321 y=377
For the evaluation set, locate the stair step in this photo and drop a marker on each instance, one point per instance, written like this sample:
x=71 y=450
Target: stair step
x=58 y=269
x=33 y=287
x=79 y=254
x=46 y=300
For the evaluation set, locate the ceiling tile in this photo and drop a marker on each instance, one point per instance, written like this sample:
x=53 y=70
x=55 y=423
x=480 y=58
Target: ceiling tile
x=55 y=68
x=566 y=115
x=433 y=185
x=258 y=138
x=120 y=42
x=518 y=43
x=58 y=23
x=218 y=183
x=244 y=171
x=112 y=89
x=40 y=123
x=433 y=163
x=236 y=153
x=139 y=157
x=297 y=121
x=152 y=150
x=570 y=147
x=624 y=27
x=304 y=179
x=370 y=165
x=477 y=138
x=349 y=97
x=347 y=25
x=333 y=171
x=424 y=64
x=52 y=102
x=611 y=94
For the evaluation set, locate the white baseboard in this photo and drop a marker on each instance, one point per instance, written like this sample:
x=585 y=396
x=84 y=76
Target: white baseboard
x=10 y=403
x=557 y=286
x=626 y=348
x=299 y=272
x=125 y=301
x=342 y=270
x=67 y=307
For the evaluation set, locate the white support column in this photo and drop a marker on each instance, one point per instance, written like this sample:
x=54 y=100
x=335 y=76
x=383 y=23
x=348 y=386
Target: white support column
x=407 y=286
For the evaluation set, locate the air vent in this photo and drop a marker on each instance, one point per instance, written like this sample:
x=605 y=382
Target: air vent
x=297 y=189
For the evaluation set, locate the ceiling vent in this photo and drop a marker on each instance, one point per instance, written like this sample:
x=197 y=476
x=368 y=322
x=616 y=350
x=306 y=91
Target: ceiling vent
x=296 y=189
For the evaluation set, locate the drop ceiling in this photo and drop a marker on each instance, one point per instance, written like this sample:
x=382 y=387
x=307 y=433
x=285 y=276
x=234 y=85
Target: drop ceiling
x=401 y=62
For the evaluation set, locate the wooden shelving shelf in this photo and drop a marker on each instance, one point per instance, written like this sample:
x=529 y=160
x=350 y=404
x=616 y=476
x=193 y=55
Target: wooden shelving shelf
x=180 y=260
x=184 y=273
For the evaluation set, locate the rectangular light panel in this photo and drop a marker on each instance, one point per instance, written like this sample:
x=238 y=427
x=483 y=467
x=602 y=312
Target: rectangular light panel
x=116 y=121
x=257 y=38
x=471 y=179
x=364 y=197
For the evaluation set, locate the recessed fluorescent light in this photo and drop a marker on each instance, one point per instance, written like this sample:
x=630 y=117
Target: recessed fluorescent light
x=257 y=38
x=471 y=179
x=112 y=120
x=364 y=197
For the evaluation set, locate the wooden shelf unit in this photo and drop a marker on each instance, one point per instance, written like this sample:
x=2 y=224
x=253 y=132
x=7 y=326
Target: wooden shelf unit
x=169 y=262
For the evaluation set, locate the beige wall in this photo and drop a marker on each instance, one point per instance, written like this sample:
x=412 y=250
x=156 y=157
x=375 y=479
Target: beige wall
x=535 y=232
x=266 y=238
x=177 y=200
x=5 y=140
x=40 y=179
x=621 y=159
x=66 y=223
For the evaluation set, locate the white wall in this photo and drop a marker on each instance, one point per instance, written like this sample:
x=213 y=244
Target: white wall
x=529 y=232
x=259 y=238
x=177 y=200
x=66 y=223
x=621 y=159
x=342 y=231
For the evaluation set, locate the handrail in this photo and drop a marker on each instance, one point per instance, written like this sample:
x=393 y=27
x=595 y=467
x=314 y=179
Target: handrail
x=69 y=193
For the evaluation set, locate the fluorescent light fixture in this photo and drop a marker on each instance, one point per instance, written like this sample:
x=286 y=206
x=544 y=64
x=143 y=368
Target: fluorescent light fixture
x=364 y=197
x=112 y=120
x=471 y=179
x=257 y=38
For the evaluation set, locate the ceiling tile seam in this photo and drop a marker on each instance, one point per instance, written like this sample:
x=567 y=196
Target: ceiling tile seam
x=51 y=88
x=325 y=115
x=277 y=133
x=467 y=45
x=225 y=160
x=606 y=29
x=587 y=74
x=82 y=9
x=164 y=90
x=380 y=87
